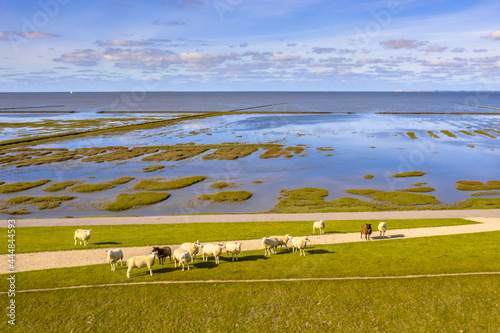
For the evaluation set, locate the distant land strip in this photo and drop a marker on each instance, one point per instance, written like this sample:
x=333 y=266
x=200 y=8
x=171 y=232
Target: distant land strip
x=33 y=112
x=447 y=113
x=34 y=107
x=233 y=112
x=487 y=107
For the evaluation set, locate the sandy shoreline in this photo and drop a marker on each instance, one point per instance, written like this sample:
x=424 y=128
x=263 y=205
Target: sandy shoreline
x=223 y=218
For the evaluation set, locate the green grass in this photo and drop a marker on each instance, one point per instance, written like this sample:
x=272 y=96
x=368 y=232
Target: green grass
x=472 y=185
x=361 y=191
x=219 y=185
x=121 y=180
x=368 y=176
x=156 y=185
x=422 y=305
x=432 y=304
x=421 y=189
x=409 y=174
x=21 y=186
x=226 y=196
x=420 y=184
x=56 y=187
x=127 y=201
x=35 y=239
x=152 y=168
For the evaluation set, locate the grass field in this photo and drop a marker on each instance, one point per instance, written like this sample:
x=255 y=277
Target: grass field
x=35 y=239
x=426 y=304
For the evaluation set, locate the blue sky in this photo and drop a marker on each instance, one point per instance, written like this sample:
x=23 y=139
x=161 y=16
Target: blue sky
x=206 y=45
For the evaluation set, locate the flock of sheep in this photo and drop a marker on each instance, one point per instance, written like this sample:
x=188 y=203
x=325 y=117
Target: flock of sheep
x=187 y=252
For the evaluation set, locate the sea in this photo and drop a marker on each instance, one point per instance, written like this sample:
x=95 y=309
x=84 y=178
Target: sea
x=346 y=135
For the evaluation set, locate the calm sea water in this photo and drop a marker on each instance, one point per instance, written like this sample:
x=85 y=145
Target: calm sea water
x=363 y=142
x=226 y=101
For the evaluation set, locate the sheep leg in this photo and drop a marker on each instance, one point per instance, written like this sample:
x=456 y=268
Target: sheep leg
x=183 y=266
x=150 y=272
x=75 y=241
x=188 y=266
x=128 y=273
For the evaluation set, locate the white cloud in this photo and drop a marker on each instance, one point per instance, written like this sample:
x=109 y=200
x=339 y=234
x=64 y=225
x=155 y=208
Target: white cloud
x=401 y=43
x=495 y=35
x=436 y=48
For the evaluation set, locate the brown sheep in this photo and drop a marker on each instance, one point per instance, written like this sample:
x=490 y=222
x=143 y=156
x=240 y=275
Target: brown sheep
x=163 y=252
x=366 y=229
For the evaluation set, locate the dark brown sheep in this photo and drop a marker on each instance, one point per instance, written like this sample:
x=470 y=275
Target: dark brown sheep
x=163 y=252
x=366 y=229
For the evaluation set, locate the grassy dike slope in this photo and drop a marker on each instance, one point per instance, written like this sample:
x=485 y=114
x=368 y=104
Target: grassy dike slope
x=426 y=304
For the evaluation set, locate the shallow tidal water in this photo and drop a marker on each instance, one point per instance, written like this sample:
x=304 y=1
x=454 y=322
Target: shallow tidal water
x=362 y=143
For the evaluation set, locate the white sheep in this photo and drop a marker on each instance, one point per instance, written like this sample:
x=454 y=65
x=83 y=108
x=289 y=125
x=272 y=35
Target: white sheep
x=283 y=240
x=182 y=256
x=192 y=248
x=82 y=235
x=300 y=243
x=319 y=225
x=382 y=228
x=114 y=256
x=234 y=248
x=141 y=261
x=212 y=250
x=269 y=245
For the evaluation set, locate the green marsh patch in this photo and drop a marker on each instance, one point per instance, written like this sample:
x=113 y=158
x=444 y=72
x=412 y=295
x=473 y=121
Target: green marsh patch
x=56 y=187
x=219 y=185
x=21 y=186
x=99 y=187
x=449 y=134
x=152 y=168
x=409 y=174
x=412 y=135
x=485 y=193
x=472 y=185
x=368 y=176
x=226 y=196
x=47 y=202
x=421 y=189
x=127 y=201
x=287 y=152
x=175 y=184
x=230 y=153
x=481 y=203
x=485 y=134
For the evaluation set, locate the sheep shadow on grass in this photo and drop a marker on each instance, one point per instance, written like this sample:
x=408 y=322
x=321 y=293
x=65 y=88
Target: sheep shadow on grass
x=319 y=251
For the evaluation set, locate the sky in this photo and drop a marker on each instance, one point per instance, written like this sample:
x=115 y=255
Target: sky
x=249 y=45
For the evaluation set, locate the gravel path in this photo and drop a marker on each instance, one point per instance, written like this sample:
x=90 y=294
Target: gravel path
x=74 y=258
x=419 y=214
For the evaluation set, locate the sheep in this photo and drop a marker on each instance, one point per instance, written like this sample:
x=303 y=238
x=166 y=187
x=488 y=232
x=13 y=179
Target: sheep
x=366 y=229
x=141 y=261
x=82 y=235
x=212 y=250
x=234 y=248
x=182 y=256
x=319 y=225
x=113 y=257
x=283 y=240
x=300 y=244
x=382 y=228
x=163 y=252
x=269 y=244
x=192 y=248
